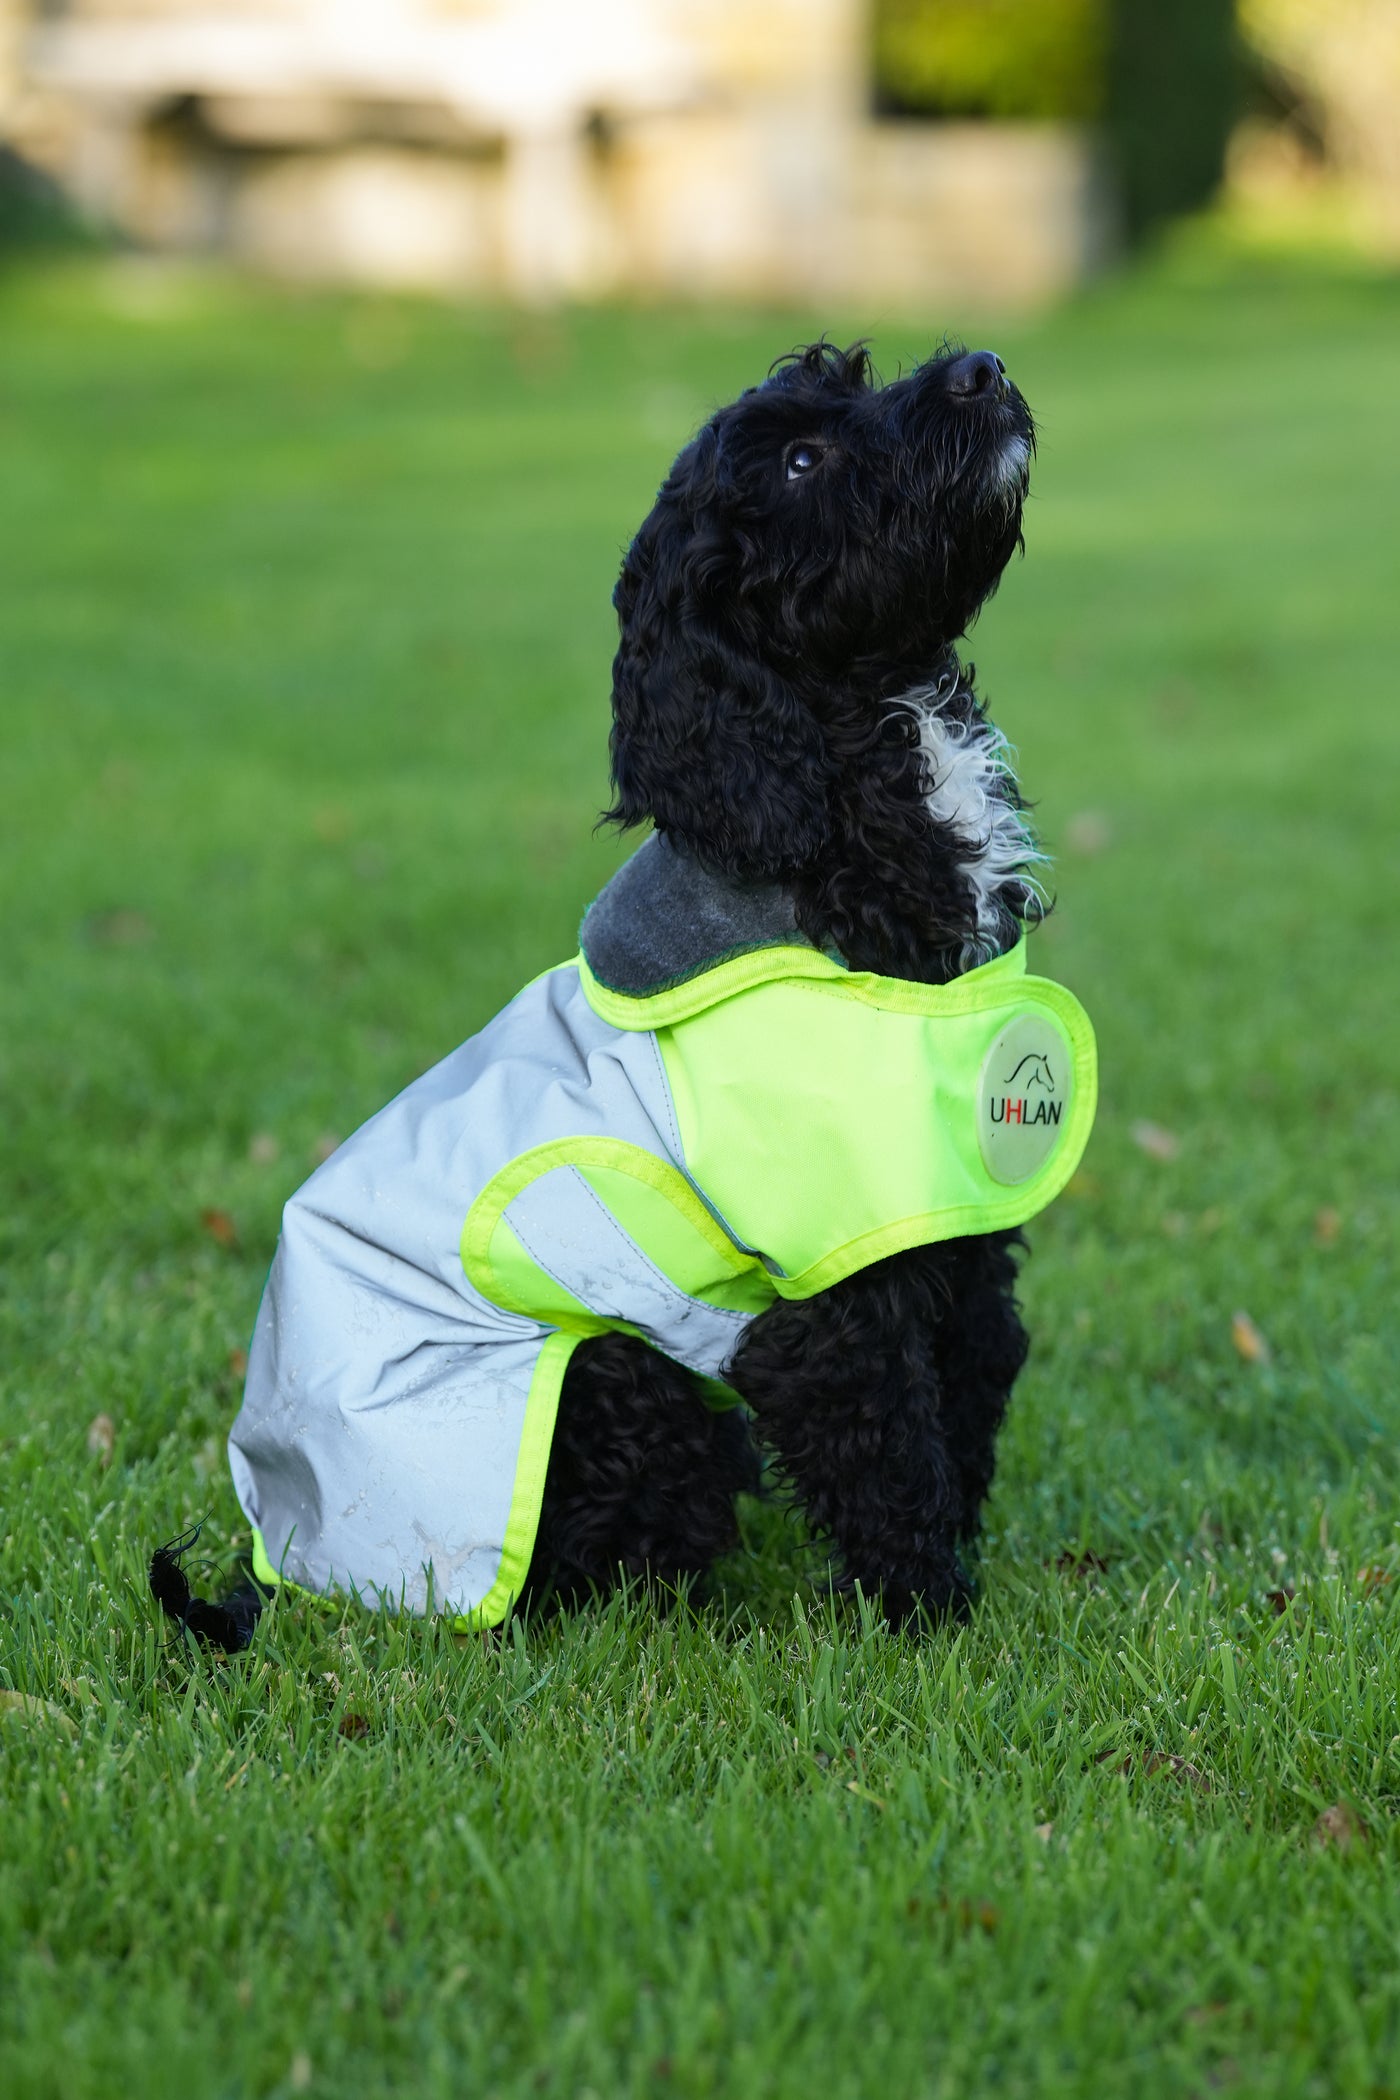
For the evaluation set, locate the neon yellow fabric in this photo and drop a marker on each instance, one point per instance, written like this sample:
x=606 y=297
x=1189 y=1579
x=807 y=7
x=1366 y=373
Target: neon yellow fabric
x=831 y=1117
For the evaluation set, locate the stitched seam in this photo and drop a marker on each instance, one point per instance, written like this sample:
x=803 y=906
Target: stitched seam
x=670 y=1105
x=540 y=1262
x=723 y=1223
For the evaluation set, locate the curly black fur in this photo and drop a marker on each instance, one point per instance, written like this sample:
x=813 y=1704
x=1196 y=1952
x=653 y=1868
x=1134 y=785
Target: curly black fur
x=642 y=1475
x=814 y=555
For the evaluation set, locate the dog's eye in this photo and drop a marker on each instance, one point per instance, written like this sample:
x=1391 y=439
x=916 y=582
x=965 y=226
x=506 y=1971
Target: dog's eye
x=800 y=459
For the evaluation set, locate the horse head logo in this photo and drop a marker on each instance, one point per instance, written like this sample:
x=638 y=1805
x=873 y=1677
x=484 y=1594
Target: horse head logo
x=1039 y=1074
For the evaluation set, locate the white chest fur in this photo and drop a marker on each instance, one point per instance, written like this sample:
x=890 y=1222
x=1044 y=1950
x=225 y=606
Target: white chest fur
x=971 y=792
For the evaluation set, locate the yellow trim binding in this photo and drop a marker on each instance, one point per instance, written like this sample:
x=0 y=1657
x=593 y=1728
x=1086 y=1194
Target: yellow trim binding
x=664 y=1009
x=536 y=1436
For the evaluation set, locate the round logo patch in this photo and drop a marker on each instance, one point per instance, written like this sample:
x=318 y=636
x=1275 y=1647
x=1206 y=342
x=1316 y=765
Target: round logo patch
x=1023 y=1096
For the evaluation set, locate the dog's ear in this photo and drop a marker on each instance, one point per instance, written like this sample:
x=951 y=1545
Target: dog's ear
x=707 y=740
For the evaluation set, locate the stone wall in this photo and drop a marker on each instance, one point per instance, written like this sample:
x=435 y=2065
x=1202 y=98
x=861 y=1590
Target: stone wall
x=739 y=161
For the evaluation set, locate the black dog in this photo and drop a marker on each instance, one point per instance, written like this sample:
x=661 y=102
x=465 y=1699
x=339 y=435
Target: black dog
x=788 y=708
x=790 y=714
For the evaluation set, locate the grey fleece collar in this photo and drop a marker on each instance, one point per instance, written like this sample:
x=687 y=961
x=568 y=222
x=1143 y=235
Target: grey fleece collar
x=663 y=919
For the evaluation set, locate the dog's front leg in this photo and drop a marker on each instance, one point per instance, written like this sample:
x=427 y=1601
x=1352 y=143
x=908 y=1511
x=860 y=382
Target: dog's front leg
x=982 y=1347
x=642 y=1475
x=844 y=1389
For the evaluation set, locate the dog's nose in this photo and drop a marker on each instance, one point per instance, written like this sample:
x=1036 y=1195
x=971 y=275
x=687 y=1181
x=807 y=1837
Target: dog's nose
x=979 y=375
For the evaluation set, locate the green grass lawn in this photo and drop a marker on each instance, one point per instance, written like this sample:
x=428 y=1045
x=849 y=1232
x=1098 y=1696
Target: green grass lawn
x=304 y=646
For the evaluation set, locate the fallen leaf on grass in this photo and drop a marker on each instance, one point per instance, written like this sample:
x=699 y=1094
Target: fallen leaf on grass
x=1280 y=1598
x=220 y=1227
x=1156 y=1761
x=1373 y=1579
x=238 y=1362
x=1178 y=1768
x=331 y=824
x=1340 y=1826
x=23 y=1709
x=1082 y=1564
x=965 y=1914
x=1088 y=832
x=1249 y=1342
x=1175 y=701
x=353 y=1727
x=120 y=929
x=1154 y=1141
x=102 y=1438
x=1327 y=1225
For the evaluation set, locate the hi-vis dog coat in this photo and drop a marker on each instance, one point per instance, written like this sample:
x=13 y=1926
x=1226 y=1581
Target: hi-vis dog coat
x=696 y=1116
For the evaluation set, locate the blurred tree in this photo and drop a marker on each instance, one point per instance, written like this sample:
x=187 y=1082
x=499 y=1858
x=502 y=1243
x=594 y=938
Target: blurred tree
x=990 y=58
x=1344 y=57
x=33 y=210
x=1162 y=75
x=1172 y=93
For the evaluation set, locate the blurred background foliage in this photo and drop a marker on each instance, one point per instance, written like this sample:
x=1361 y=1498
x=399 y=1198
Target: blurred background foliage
x=1164 y=81
x=1303 y=86
x=991 y=58
x=34 y=212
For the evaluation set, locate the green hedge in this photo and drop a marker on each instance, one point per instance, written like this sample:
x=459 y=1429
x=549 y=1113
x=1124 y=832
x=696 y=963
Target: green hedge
x=990 y=58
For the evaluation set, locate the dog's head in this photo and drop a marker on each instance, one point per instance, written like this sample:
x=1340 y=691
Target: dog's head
x=813 y=553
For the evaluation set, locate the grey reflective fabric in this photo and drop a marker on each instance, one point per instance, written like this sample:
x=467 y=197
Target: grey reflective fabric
x=569 y=1230
x=377 y=1446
